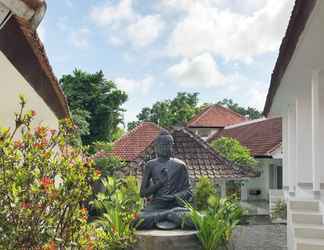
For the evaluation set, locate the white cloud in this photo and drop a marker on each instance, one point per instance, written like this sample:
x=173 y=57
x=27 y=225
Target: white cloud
x=41 y=32
x=80 y=38
x=227 y=33
x=201 y=71
x=124 y=24
x=133 y=86
x=146 y=30
x=110 y=14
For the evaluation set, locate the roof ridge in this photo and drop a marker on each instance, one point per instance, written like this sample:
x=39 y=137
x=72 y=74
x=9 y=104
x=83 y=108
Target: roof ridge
x=247 y=123
x=199 y=115
x=232 y=111
x=133 y=130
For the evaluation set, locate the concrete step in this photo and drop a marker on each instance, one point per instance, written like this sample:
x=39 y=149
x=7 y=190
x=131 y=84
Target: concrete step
x=309 y=244
x=309 y=231
x=305 y=205
x=306 y=217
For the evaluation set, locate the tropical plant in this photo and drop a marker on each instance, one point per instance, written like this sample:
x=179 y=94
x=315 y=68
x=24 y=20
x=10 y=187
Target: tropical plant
x=43 y=186
x=232 y=150
x=202 y=191
x=280 y=210
x=120 y=204
x=216 y=224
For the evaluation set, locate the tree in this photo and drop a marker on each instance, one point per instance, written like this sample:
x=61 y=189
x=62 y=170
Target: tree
x=95 y=104
x=232 y=150
x=177 y=111
x=250 y=112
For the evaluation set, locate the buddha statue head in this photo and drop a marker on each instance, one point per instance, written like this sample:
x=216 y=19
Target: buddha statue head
x=163 y=144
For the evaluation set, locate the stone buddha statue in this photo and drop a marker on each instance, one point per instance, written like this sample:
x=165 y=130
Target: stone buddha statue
x=166 y=185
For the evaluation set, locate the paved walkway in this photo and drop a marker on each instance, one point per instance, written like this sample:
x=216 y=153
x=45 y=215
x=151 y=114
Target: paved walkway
x=260 y=237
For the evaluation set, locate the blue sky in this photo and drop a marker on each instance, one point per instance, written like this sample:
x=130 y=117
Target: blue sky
x=153 y=49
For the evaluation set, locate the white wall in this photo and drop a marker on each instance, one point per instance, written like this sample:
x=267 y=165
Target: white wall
x=11 y=85
x=295 y=89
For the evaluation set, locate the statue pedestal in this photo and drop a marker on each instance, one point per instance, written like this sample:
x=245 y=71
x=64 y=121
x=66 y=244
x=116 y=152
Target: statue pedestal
x=167 y=240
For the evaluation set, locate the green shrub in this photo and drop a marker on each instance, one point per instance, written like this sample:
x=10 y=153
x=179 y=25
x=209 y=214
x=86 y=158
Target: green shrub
x=43 y=184
x=232 y=150
x=280 y=210
x=120 y=204
x=202 y=191
x=216 y=224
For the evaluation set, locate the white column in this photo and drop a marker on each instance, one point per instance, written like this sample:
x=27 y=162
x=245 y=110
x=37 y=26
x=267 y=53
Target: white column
x=244 y=193
x=223 y=189
x=285 y=151
x=316 y=157
x=292 y=148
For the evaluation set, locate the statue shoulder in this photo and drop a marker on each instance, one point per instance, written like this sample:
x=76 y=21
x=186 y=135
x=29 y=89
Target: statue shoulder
x=178 y=162
x=151 y=163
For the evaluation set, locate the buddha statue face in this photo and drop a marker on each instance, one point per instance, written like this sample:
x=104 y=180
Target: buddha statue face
x=163 y=144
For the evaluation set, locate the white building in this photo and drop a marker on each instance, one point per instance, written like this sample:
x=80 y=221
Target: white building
x=297 y=95
x=24 y=67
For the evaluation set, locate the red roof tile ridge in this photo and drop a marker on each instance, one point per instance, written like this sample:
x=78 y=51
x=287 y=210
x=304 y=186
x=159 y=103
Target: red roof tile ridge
x=135 y=129
x=231 y=111
x=249 y=122
x=198 y=116
x=274 y=148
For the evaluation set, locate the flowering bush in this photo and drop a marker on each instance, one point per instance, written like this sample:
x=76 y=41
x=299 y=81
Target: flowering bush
x=120 y=204
x=43 y=186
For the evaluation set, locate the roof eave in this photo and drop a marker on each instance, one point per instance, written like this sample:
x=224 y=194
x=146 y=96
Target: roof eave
x=301 y=12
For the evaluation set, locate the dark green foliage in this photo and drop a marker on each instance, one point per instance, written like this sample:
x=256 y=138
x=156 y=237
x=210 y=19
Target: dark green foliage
x=177 y=111
x=95 y=104
x=250 y=112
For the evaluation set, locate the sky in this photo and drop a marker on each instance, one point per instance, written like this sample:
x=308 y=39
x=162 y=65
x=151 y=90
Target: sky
x=154 y=49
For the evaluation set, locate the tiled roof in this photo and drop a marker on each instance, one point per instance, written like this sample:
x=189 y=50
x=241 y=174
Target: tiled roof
x=136 y=141
x=215 y=116
x=22 y=46
x=260 y=136
x=200 y=158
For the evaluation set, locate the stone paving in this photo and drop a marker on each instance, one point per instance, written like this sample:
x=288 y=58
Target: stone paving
x=260 y=237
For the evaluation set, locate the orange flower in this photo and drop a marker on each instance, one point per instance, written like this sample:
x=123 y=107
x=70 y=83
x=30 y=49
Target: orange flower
x=25 y=205
x=19 y=144
x=50 y=246
x=33 y=113
x=84 y=212
x=136 y=216
x=46 y=182
x=98 y=173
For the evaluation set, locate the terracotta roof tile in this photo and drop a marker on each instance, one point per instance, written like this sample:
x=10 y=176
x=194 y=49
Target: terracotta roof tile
x=215 y=116
x=136 y=141
x=200 y=158
x=261 y=136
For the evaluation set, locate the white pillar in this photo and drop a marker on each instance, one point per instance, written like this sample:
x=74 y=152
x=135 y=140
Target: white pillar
x=244 y=193
x=223 y=189
x=292 y=148
x=316 y=157
x=285 y=152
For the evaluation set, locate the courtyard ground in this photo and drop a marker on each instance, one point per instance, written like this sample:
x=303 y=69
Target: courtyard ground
x=260 y=237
